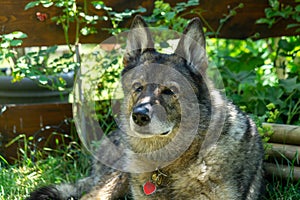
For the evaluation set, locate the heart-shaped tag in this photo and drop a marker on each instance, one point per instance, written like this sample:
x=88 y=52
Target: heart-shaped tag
x=149 y=188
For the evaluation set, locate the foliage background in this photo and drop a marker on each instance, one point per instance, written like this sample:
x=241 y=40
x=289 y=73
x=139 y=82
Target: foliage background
x=261 y=76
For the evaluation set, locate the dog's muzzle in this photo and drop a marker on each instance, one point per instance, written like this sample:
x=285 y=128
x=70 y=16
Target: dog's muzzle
x=149 y=120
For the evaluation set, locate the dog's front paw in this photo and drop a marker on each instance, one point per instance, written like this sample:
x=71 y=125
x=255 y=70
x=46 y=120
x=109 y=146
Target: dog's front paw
x=45 y=193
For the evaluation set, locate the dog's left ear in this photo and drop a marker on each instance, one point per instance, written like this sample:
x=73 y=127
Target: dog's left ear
x=138 y=40
x=191 y=46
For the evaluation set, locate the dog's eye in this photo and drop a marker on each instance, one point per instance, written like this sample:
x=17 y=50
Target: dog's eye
x=170 y=91
x=137 y=87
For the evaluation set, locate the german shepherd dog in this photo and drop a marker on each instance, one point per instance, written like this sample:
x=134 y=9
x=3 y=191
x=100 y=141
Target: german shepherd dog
x=191 y=142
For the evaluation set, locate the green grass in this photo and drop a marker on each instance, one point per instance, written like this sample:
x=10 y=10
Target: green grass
x=69 y=163
x=280 y=188
x=277 y=189
x=17 y=181
x=51 y=167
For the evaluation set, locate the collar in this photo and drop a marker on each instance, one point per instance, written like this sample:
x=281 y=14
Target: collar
x=157 y=179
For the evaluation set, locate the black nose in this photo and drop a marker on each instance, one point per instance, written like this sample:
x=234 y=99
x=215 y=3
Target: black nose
x=141 y=116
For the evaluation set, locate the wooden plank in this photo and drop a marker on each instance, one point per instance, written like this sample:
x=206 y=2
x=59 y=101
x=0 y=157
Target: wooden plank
x=44 y=33
x=13 y=17
x=243 y=24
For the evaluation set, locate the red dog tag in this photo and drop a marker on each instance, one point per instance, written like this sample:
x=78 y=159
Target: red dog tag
x=149 y=188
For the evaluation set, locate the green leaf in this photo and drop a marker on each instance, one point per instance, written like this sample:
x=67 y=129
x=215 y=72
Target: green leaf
x=67 y=55
x=164 y=44
x=85 y=31
x=285 y=45
x=10 y=55
x=262 y=21
x=223 y=20
x=51 y=49
x=43 y=80
x=290 y=84
x=273 y=94
x=56 y=19
x=170 y=15
x=47 y=3
x=15 y=43
x=19 y=34
x=4 y=45
x=270 y=12
x=101 y=5
x=90 y=18
x=243 y=62
x=141 y=10
x=232 y=12
x=31 y=4
x=292 y=25
x=297 y=8
x=274 y=4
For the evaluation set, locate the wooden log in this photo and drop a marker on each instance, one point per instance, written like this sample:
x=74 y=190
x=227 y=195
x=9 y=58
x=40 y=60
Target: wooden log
x=284 y=134
x=289 y=152
x=283 y=171
x=45 y=33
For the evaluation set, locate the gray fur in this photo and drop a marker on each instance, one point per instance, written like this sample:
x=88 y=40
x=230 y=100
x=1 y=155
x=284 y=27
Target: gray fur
x=225 y=157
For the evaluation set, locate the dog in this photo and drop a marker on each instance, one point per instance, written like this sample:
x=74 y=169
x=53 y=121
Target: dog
x=186 y=140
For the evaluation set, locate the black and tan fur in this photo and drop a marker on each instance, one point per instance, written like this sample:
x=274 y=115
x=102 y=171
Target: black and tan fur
x=228 y=168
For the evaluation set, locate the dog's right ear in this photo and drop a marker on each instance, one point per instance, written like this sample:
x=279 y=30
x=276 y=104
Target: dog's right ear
x=191 y=46
x=138 y=40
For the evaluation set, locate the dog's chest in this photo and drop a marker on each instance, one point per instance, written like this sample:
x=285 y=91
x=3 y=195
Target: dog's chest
x=189 y=177
x=169 y=185
x=162 y=183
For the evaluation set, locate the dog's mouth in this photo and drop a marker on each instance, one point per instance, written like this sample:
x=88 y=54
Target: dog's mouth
x=166 y=133
x=148 y=134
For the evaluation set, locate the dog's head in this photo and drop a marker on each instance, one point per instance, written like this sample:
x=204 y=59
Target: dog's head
x=159 y=87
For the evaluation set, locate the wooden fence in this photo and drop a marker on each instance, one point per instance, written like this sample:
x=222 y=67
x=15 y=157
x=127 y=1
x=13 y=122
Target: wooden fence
x=13 y=17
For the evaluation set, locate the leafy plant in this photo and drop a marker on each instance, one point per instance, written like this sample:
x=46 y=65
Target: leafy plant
x=35 y=65
x=278 y=11
x=72 y=14
x=38 y=66
x=7 y=44
x=258 y=73
x=168 y=17
x=115 y=17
